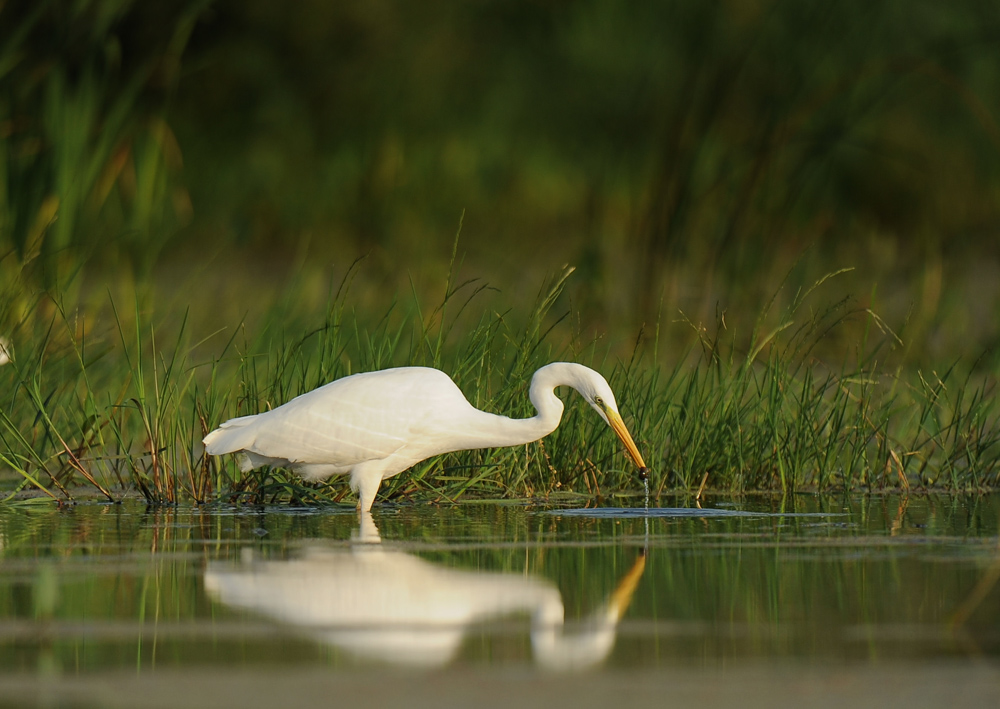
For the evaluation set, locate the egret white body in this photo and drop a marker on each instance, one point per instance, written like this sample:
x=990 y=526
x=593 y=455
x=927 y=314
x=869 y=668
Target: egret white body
x=377 y=424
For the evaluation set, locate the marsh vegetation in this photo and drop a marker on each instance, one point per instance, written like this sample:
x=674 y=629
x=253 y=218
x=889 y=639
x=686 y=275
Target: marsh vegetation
x=124 y=410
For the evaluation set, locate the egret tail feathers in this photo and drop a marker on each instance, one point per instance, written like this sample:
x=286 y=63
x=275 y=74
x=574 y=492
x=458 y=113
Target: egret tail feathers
x=232 y=436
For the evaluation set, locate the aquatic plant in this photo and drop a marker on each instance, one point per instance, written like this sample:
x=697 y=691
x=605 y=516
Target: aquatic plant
x=115 y=412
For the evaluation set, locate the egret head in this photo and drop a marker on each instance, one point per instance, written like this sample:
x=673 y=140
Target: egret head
x=596 y=390
x=598 y=394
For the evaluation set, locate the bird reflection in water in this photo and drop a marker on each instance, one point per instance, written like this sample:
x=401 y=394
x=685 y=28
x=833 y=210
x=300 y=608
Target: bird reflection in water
x=393 y=606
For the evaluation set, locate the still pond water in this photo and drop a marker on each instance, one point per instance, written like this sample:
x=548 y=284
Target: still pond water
x=801 y=601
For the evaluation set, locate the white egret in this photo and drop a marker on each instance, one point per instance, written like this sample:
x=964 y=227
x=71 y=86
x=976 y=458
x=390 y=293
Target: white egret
x=5 y=351
x=377 y=424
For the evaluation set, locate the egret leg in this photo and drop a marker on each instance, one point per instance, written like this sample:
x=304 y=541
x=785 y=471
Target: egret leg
x=365 y=481
x=366 y=495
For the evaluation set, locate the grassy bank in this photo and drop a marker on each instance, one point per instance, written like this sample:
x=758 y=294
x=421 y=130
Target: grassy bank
x=114 y=401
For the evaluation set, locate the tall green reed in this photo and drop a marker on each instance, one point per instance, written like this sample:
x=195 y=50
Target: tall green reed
x=88 y=163
x=123 y=412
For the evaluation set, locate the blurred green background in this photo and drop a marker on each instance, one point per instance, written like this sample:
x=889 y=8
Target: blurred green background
x=688 y=156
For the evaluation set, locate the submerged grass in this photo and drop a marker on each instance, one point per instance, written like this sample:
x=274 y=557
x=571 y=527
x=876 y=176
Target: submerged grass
x=122 y=412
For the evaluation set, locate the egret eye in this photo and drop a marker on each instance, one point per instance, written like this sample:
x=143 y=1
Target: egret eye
x=599 y=401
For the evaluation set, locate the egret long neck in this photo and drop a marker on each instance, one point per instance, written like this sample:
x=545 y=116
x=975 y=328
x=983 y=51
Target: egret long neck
x=492 y=431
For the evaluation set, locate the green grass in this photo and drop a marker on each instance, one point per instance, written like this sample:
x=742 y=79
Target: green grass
x=117 y=407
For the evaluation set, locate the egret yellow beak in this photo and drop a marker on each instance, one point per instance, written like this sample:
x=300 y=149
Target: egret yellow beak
x=618 y=426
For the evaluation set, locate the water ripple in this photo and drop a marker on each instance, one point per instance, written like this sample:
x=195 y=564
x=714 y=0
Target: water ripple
x=618 y=512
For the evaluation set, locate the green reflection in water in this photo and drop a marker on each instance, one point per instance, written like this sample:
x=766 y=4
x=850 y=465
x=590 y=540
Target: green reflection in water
x=100 y=587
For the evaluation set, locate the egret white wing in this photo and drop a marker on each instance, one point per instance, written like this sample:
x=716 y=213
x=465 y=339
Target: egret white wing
x=356 y=419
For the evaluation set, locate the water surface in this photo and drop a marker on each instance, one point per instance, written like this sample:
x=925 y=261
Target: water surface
x=885 y=600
